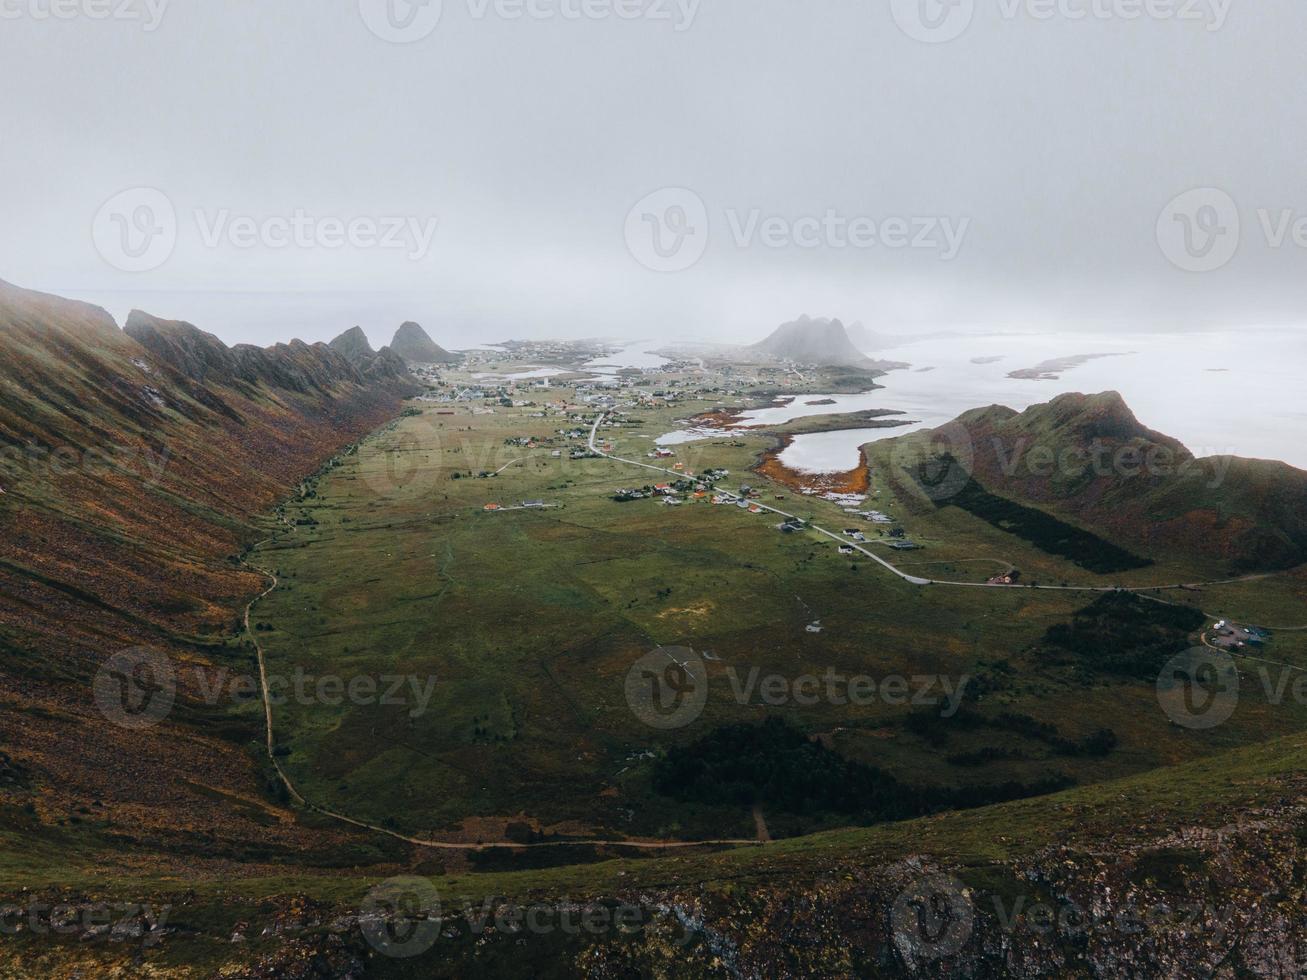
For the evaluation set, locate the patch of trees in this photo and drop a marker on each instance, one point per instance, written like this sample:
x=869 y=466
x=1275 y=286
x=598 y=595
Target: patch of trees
x=1045 y=531
x=936 y=729
x=779 y=767
x=1121 y=633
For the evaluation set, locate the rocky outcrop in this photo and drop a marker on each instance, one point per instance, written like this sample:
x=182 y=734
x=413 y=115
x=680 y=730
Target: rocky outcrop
x=415 y=346
x=353 y=345
x=372 y=365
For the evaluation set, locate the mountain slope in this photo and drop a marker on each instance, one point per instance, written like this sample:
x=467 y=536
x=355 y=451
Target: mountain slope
x=415 y=346
x=1089 y=458
x=134 y=464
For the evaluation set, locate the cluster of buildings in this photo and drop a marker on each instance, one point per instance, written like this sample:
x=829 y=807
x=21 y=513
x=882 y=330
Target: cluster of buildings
x=1233 y=636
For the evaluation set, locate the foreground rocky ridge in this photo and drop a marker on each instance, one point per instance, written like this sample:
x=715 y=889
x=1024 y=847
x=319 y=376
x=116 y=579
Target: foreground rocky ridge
x=1220 y=897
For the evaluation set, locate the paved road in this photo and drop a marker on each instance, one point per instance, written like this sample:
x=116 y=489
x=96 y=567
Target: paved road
x=912 y=579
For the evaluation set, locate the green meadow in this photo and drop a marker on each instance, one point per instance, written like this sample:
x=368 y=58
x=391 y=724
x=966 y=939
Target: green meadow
x=518 y=628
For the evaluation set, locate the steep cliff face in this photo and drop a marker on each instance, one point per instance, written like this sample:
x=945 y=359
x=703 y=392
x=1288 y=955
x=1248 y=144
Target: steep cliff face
x=133 y=464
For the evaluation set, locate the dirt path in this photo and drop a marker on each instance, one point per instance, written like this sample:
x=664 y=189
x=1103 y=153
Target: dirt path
x=759 y=821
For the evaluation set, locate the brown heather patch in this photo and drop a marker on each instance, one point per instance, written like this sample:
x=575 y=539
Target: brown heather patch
x=856 y=480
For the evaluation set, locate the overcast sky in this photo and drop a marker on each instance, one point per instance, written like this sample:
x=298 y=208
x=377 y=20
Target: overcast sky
x=1030 y=160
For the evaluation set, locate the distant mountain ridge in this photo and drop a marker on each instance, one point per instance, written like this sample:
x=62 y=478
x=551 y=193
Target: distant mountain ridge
x=808 y=341
x=415 y=346
x=821 y=342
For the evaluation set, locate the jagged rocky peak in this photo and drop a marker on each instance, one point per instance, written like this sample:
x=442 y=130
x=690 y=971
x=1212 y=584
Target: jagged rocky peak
x=415 y=346
x=380 y=365
x=353 y=344
x=187 y=348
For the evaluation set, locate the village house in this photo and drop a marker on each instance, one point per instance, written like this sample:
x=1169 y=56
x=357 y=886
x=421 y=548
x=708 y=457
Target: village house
x=1007 y=578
